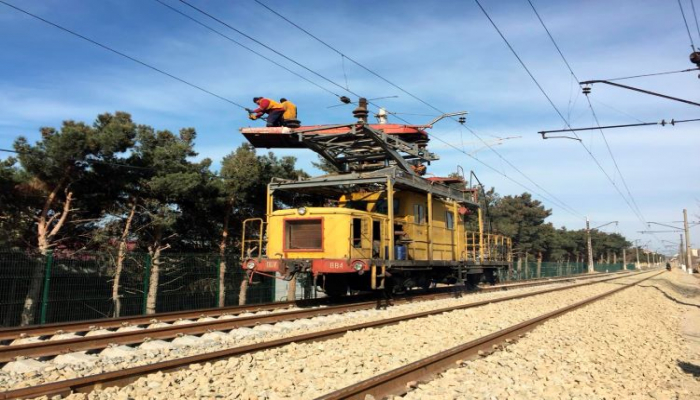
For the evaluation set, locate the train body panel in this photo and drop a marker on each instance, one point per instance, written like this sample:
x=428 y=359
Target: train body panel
x=398 y=231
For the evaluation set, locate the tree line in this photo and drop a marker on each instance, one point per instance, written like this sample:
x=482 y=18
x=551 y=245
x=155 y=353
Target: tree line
x=121 y=186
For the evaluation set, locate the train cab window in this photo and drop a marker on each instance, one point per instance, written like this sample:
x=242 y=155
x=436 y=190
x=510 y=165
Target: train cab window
x=357 y=205
x=357 y=233
x=419 y=213
x=382 y=206
x=376 y=239
x=449 y=220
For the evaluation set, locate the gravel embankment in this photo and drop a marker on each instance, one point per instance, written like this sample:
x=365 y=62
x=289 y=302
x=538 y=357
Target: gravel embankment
x=120 y=357
x=308 y=370
x=628 y=346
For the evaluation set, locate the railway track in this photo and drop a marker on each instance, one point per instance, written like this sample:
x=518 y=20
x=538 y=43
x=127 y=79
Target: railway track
x=159 y=329
x=125 y=376
x=396 y=382
x=8 y=335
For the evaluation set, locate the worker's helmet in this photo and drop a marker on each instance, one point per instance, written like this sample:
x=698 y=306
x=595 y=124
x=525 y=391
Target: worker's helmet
x=255 y=99
x=282 y=100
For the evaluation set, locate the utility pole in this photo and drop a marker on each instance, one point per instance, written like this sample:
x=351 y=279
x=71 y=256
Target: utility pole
x=688 y=253
x=590 y=247
x=637 y=264
x=624 y=259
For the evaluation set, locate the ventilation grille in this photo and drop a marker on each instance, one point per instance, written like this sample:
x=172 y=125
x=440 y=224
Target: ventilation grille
x=305 y=234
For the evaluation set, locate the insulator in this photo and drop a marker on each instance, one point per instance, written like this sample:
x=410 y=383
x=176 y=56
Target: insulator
x=586 y=90
x=345 y=100
x=695 y=58
x=361 y=112
x=462 y=120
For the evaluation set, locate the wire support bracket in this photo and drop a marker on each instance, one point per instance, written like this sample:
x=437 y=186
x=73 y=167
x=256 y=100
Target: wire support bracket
x=587 y=90
x=663 y=122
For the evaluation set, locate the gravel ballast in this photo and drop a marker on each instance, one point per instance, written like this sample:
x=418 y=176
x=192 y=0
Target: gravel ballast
x=308 y=370
x=112 y=359
x=628 y=346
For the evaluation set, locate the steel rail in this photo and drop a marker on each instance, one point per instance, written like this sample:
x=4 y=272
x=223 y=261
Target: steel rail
x=125 y=376
x=49 y=348
x=8 y=334
x=395 y=381
x=114 y=323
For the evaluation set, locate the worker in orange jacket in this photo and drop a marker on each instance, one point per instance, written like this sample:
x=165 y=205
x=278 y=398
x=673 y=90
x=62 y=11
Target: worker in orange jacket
x=273 y=109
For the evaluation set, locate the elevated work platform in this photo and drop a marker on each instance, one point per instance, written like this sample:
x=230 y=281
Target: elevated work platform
x=357 y=146
x=287 y=138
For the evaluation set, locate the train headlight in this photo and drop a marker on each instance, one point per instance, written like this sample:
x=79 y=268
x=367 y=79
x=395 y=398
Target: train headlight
x=250 y=264
x=358 y=266
x=301 y=210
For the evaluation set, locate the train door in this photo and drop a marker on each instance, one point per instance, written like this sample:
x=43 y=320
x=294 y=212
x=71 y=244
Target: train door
x=361 y=237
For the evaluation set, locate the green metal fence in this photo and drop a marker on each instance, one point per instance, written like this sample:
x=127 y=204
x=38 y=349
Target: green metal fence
x=531 y=270
x=79 y=286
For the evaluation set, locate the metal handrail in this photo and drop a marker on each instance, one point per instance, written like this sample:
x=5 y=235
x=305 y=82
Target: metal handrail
x=244 y=241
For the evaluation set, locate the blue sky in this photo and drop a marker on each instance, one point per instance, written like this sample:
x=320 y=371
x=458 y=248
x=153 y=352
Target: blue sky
x=446 y=53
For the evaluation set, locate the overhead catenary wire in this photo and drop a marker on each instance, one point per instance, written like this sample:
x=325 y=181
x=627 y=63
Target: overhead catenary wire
x=695 y=14
x=652 y=74
x=345 y=56
x=554 y=199
x=556 y=109
x=223 y=177
x=641 y=123
x=687 y=28
x=224 y=23
x=595 y=116
x=562 y=204
x=590 y=105
x=232 y=102
x=618 y=110
x=110 y=49
x=246 y=47
x=638 y=210
x=270 y=48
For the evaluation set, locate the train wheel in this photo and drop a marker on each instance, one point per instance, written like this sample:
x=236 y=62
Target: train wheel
x=473 y=279
x=491 y=276
x=335 y=285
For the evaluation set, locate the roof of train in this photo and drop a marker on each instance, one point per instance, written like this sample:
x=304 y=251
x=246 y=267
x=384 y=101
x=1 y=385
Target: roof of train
x=283 y=137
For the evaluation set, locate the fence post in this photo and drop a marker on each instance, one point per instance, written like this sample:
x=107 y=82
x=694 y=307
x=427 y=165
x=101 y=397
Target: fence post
x=45 y=292
x=218 y=280
x=146 y=282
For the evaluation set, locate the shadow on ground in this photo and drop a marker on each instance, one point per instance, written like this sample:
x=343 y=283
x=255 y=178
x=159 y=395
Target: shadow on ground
x=689 y=368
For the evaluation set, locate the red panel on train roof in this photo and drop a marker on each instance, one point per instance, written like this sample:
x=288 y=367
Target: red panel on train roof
x=445 y=180
x=282 y=137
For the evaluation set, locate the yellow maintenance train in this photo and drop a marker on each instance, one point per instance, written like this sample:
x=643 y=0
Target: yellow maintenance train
x=377 y=224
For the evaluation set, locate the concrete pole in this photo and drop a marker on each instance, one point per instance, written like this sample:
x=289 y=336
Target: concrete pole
x=624 y=259
x=637 y=264
x=590 y=247
x=688 y=253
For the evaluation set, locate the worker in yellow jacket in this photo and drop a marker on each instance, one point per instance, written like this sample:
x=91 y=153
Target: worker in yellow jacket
x=290 y=109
